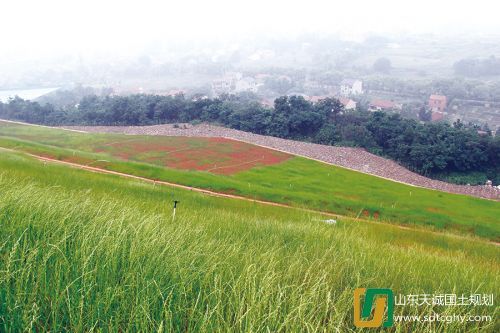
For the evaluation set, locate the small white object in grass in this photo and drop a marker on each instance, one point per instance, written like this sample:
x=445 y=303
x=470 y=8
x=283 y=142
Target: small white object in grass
x=330 y=221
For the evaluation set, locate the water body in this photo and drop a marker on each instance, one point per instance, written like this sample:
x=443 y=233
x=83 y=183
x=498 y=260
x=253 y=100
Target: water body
x=25 y=93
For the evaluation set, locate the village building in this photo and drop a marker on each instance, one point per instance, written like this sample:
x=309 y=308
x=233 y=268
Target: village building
x=174 y=92
x=437 y=103
x=437 y=116
x=225 y=84
x=267 y=102
x=384 y=105
x=348 y=103
x=316 y=99
x=482 y=132
x=221 y=86
x=350 y=87
x=247 y=84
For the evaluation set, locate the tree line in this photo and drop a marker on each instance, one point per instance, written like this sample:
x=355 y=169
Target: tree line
x=478 y=66
x=456 y=152
x=459 y=88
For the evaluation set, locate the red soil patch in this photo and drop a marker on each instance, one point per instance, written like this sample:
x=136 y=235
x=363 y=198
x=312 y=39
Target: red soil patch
x=71 y=159
x=216 y=155
x=434 y=210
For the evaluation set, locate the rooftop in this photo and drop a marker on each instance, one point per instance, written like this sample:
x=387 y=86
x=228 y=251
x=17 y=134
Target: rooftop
x=438 y=97
x=383 y=104
x=349 y=82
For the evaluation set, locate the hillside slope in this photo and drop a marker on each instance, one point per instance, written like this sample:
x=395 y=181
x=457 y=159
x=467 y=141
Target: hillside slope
x=353 y=158
x=294 y=181
x=81 y=251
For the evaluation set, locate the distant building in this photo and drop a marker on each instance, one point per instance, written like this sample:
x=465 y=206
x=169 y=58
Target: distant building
x=348 y=103
x=437 y=116
x=199 y=97
x=313 y=85
x=226 y=84
x=247 y=84
x=315 y=99
x=437 y=103
x=267 y=102
x=384 y=105
x=350 y=87
x=174 y=92
x=482 y=133
x=298 y=94
x=221 y=86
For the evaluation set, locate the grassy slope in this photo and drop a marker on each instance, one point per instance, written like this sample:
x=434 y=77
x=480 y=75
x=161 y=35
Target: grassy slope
x=298 y=181
x=82 y=251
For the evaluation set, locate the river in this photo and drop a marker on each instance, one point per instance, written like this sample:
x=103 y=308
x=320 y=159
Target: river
x=25 y=93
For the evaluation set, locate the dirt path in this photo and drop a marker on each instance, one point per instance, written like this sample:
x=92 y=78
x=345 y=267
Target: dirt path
x=232 y=196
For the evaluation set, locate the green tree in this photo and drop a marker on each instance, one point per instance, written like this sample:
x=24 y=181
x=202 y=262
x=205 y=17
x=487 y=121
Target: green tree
x=382 y=65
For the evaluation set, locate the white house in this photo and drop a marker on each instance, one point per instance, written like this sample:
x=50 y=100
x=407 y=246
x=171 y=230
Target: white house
x=221 y=86
x=350 y=87
x=247 y=84
x=226 y=84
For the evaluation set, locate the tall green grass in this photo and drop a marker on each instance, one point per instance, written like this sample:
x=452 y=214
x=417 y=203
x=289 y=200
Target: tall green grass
x=88 y=252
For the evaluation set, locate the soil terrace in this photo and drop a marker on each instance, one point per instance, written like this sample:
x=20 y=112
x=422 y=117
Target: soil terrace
x=352 y=158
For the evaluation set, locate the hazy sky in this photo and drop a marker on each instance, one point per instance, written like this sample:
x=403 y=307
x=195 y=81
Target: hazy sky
x=35 y=27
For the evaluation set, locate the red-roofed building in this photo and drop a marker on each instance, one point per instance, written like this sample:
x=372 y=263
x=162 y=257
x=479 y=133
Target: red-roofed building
x=437 y=103
x=267 y=102
x=384 y=105
x=437 y=116
x=348 y=103
x=316 y=99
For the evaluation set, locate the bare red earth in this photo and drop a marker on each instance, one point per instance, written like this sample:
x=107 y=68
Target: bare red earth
x=216 y=155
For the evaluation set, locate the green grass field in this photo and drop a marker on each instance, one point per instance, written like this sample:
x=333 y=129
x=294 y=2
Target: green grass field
x=297 y=181
x=81 y=251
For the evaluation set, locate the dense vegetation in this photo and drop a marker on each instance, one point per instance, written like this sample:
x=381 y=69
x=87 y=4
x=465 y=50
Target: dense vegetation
x=478 y=67
x=76 y=256
x=431 y=149
x=456 y=88
x=382 y=65
x=297 y=182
